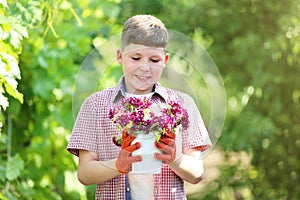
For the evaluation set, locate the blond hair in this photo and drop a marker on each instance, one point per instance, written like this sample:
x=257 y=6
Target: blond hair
x=145 y=30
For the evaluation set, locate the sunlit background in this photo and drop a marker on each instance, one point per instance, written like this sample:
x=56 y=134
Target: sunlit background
x=255 y=44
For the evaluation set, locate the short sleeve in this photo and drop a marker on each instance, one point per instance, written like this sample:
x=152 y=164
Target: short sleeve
x=84 y=133
x=196 y=135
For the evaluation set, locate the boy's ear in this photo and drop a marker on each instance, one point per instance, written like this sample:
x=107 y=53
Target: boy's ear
x=119 y=56
x=166 y=58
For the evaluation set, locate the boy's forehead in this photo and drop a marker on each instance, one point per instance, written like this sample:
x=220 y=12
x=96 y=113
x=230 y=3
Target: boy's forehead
x=138 y=48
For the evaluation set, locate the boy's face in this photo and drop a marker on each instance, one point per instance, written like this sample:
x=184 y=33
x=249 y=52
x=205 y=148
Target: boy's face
x=142 y=67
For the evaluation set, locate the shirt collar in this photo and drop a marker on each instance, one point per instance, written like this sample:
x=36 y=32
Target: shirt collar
x=161 y=91
x=120 y=90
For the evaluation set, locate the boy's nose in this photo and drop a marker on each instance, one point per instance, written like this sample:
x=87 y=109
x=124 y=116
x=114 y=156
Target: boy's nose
x=145 y=66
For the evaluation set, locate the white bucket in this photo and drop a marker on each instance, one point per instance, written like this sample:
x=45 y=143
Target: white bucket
x=147 y=150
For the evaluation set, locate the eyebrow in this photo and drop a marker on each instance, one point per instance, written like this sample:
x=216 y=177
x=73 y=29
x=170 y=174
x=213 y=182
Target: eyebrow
x=141 y=54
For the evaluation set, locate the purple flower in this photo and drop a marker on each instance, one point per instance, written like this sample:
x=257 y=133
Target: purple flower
x=136 y=115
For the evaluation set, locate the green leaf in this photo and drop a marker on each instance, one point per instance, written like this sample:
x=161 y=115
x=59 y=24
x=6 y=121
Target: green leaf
x=44 y=88
x=6 y=19
x=2 y=173
x=9 y=86
x=1 y=196
x=3 y=102
x=9 y=195
x=4 y=3
x=20 y=29
x=14 y=107
x=14 y=167
x=110 y=9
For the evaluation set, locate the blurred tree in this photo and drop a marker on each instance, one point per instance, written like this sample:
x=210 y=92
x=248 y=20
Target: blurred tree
x=255 y=44
x=34 y=161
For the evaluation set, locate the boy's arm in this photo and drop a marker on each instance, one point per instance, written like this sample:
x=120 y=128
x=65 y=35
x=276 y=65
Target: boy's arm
x=92 y=171
x=189 y=166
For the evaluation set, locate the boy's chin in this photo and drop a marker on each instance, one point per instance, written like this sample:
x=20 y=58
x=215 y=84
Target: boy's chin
x=143 y=90
x=145 y=86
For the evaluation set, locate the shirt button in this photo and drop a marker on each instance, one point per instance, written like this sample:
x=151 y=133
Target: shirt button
x=128 y=189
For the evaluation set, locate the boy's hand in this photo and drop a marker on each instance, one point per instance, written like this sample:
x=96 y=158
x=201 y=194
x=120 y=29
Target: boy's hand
x=168 y=146
x=125 y=159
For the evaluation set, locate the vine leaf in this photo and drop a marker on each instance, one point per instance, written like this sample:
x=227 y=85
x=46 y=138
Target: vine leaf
x=14 y=167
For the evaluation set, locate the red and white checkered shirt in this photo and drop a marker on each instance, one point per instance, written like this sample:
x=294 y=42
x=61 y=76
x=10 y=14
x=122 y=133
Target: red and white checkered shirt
x=93 y=131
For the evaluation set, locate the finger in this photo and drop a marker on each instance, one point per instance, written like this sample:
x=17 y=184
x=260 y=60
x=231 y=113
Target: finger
x=160 y=145
x=124 y=154
x=165 y=158
x=133 y=147
x=167 y=141
x=133 y=159
x=131 y=138
x=124 y=134
x=166 y=148
x=127 y=141
x=161 y=140
x=170 y=135
x=156 y=144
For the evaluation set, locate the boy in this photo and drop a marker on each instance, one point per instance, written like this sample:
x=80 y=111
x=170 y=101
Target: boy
x=143 y=58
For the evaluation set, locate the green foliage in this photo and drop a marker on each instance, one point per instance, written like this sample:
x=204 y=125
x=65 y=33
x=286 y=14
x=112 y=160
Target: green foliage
x=255 y=44
x=14 y=166
x=34 y=160
x=12 y=32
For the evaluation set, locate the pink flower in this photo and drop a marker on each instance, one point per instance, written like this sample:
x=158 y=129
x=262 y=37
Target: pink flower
x=136 y=115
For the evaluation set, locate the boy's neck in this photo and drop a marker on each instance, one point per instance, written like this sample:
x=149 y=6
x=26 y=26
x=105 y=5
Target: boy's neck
x=127 y=95
x=138 y=93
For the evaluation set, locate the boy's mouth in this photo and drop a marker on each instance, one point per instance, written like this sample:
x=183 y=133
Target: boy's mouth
x=143 y=78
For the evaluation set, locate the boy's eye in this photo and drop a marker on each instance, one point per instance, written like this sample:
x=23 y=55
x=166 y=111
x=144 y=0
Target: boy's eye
x=155 y=60
x=135 y=58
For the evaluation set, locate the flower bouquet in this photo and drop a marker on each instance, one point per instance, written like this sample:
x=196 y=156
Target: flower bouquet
x=147 y=121
x=138 y=115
